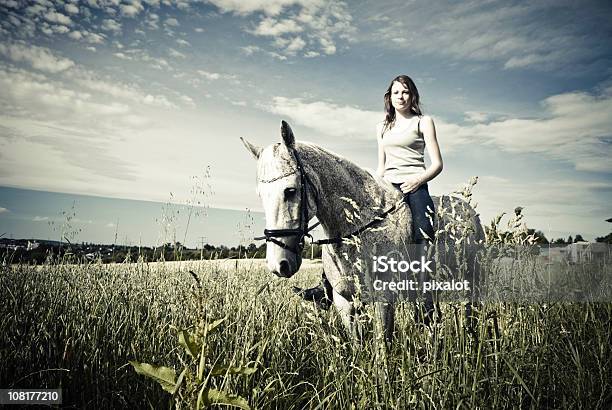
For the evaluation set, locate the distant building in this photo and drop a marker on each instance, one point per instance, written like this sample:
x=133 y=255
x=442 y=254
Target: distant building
x=587 y=252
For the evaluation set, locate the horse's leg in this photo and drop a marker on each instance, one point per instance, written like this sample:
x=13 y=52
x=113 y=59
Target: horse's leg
x=425 y=314
x=347 y=313
x=474 y=275
x=386 y=318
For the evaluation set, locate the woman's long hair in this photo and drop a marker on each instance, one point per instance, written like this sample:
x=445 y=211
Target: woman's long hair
x=415 y=102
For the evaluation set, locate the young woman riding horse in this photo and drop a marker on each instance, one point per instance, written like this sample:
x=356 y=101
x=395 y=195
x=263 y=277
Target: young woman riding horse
x=402 y=138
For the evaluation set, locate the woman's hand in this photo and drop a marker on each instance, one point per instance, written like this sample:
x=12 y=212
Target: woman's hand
x=411 y=184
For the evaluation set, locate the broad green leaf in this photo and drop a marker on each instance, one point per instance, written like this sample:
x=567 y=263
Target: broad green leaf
x=165 y=376
x=221 y=370
x=215 y=323
x=208 y=396
x=187 y=341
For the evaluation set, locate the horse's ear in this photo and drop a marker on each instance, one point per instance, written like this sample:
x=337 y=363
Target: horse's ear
x=287 y=134
x=254 y=150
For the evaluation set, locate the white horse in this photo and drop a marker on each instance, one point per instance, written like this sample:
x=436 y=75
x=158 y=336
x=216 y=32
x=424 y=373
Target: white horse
x=364 y=217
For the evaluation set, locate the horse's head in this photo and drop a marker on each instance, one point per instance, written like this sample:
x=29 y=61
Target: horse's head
x=289 y=201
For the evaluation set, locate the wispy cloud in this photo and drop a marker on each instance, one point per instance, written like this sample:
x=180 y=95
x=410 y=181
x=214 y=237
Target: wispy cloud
x=539 y=35
x=116 y=89
x=111 y=25
x=40 y=218
x=215 y=76
x=331 y=119
x=40 y=58
x=2 y=210
x=575 y=128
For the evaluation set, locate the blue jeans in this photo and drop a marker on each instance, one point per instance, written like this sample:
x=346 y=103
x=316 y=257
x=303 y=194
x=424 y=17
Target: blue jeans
x=422 y=209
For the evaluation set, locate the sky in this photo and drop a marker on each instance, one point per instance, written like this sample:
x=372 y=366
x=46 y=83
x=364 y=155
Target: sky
x=146 y=101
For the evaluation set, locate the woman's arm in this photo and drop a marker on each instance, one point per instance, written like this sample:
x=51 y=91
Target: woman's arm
x=380 y=169
x=433 y=149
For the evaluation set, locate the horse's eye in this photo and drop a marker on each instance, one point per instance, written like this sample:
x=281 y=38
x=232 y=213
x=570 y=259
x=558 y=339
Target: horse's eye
x=290 y=193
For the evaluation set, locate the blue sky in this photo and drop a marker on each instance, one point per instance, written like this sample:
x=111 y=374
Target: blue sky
x=130 y=99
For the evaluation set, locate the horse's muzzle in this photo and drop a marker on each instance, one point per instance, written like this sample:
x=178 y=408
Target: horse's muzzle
x=286 y=269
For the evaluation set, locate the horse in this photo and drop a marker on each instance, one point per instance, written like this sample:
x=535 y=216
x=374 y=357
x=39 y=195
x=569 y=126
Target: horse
x=363 y=217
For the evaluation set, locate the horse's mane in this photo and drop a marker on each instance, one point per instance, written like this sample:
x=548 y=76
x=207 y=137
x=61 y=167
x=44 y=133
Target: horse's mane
x=366 y=173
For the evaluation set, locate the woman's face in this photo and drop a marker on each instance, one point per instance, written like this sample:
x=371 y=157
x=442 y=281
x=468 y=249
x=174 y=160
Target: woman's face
x=400 y=97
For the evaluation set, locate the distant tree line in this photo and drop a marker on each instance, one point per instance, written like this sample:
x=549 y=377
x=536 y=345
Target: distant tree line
x=41 y=251
x=31 y=251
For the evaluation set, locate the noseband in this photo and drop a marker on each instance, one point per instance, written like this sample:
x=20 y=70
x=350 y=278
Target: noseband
x=271 y=235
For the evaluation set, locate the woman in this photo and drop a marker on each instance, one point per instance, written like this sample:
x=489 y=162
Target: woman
x=402 y=139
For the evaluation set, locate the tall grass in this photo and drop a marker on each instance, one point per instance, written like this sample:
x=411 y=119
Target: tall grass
x=77 y=326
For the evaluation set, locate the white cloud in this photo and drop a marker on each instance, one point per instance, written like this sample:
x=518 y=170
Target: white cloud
x=60 y=29
x=249 y=50
x=123 y=91
x=64 y=126
x=577 y=128
x=172 y=22
x=40 y=218
x=328 y=118
x=131 y=10
x=111 y=25
x=183 y=42
x=328 y=46
x=59 y=18
x=209 y=75
x=39 y=58
x=3 y=210
x=75 y=35
x=295 y=45
x=11 y=4
x=38 y=97
x=272 y=27
x=35 y=10
x=476 y=116
x=92 y=38
x=269 y=7
x=188 y=101
x=123 y=56
x=175 y=53
x=71 y=8
x=321 y=24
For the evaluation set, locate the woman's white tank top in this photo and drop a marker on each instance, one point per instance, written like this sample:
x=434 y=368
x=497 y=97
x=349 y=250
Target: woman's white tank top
x=404 y=148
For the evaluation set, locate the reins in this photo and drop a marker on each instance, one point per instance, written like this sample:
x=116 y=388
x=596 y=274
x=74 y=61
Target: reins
x=271 y=235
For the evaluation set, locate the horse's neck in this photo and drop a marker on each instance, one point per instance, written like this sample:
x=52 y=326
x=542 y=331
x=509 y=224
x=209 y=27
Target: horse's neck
x=343 y=185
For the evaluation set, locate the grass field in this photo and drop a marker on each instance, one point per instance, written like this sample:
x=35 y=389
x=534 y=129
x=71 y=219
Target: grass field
x=78 y=326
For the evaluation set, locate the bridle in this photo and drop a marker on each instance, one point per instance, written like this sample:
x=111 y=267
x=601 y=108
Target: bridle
x=271 y=235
